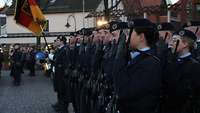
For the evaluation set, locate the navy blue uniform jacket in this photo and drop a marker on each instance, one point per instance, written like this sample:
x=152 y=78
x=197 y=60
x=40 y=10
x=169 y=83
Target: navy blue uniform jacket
x=138 y=83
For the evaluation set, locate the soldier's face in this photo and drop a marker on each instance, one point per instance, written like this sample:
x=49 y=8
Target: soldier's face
x=102 y=32
x=115 y=35
x=181 y=46
x=96 y=37
x=108 y=36
x=162 y=35
x=55 y=43
x=85 y=39
x=71 y=41
x=135 y=40
x=60 y=42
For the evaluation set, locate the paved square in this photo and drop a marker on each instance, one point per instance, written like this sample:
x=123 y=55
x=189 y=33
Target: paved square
x=35 y=95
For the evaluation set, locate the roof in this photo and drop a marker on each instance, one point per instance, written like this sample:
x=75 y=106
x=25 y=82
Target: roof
x=64 y=6
x=137 y=7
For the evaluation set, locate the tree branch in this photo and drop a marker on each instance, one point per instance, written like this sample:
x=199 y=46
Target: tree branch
x=115 y=5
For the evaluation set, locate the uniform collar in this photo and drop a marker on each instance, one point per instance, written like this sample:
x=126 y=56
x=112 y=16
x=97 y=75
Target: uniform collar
x=61 y=46
x=78 y=44
x=144 y=49
x=198 y=40
x=185 y=55
x=136 y=53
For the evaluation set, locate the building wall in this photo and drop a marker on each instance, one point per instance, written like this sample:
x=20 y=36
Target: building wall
x=57 y=23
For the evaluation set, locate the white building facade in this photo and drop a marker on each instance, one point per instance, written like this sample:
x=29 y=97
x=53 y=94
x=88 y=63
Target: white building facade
x=57 y=22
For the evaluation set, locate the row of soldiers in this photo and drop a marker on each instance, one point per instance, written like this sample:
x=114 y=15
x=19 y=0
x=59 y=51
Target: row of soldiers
x=128 y=67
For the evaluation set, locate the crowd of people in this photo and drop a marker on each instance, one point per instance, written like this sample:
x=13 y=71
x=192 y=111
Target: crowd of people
x=123 y=67
x=19 y=58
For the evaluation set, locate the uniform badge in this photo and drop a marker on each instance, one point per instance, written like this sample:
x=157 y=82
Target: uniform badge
x=181 y=33
x=107 y=26
x=114 y=26
x=131 y=23
x=159 y=27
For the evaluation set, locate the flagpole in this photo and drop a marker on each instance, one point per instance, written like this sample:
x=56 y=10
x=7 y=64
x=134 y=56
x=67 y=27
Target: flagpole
x=196 y=30
x=83 y=3
x=45 y=40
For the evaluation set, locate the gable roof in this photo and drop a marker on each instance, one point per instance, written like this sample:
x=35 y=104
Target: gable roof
x=64 y=6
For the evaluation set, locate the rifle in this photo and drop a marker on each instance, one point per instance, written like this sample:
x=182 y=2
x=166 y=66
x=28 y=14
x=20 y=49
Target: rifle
x=175 y=50
x=196 y=30
x=122 y=46
x=166 y=34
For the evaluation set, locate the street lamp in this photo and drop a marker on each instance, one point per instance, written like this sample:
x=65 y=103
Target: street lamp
x=68 y=25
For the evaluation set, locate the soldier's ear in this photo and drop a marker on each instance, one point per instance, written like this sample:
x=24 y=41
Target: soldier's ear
x=184 y=43
x=142 y=36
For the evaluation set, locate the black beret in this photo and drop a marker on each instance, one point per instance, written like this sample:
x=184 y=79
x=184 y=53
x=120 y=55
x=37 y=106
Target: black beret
x=91 y=29
x=81 y=31
x=62 y=38
x=165 y=26
x=114 y=25
x=86 y=31
x=192 y=23
x=118 y=25
x=140 y=23
x=73 y=33
x=186 y=33
x=78 y=32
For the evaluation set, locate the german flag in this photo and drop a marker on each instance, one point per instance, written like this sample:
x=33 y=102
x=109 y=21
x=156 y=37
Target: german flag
x=29 y=15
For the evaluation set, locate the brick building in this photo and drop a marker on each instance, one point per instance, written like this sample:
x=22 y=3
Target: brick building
x=156 y=10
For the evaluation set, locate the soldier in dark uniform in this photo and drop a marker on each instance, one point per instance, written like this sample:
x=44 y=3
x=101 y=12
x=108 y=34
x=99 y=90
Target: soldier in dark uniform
x=110 y=48
x=61 y=63
x=138 y=80
x=23 y=58
x=1 y=60
x=194 y=27
x=162 y=46
x=31 y=62
x=181 y=76
x=73 y=56
x=16 y=60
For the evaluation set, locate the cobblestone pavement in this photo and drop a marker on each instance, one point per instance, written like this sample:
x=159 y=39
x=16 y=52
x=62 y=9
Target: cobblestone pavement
x=35 y=95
